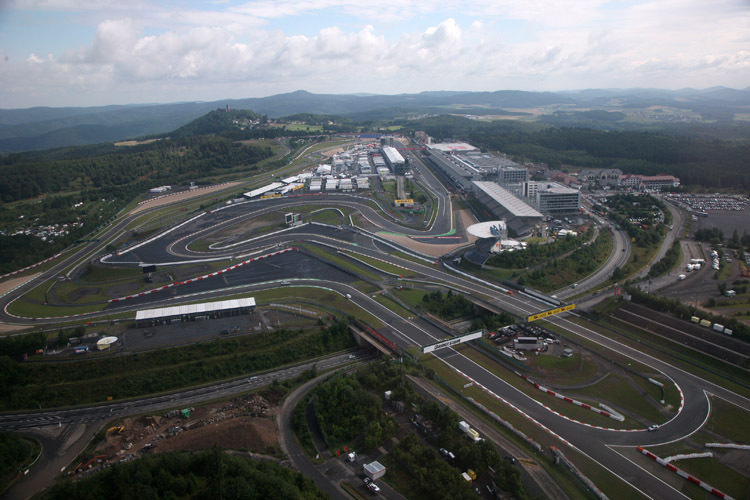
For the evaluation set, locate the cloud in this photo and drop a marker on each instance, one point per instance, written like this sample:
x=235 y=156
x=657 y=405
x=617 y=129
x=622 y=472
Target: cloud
x=150 y=52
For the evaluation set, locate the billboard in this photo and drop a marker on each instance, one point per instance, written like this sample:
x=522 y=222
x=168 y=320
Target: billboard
x=544 y=314
x=450 y=342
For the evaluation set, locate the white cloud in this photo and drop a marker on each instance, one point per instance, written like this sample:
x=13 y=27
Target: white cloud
x=151 y=53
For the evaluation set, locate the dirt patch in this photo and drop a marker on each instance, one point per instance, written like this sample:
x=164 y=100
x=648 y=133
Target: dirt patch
x=10 y=284
x=186 y=195
x=243 y=423
x=241 y=433
x=330 y=152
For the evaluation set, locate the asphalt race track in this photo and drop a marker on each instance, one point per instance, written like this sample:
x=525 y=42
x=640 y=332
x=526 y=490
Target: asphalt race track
x=300 y=268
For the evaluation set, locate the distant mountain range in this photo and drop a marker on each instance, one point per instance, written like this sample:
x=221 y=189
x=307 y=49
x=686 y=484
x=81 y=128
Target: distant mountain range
x=45 y=128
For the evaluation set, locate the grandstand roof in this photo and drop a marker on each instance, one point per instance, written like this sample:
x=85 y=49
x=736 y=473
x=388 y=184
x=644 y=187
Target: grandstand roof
x=194 y=309
x=508 y=200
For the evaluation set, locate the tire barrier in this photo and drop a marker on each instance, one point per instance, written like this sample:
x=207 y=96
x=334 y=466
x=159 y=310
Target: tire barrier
x=570 y=465
x=613 y=416
x=685 y=456
x=685 y=475
x=731 y=446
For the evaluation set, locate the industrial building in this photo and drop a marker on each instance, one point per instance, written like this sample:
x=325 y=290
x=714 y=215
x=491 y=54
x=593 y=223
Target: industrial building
x=194 y=312
x=552 y=198
x=519 y=216
x=393 y=159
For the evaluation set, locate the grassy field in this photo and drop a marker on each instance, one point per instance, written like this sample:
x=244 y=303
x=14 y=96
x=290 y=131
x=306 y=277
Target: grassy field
x=393 y=306
x=340 y=261
x=564 y=408
x=627 y=399
x=613 y=487
x=383 y=266
x=672 y=395
x=695 y=361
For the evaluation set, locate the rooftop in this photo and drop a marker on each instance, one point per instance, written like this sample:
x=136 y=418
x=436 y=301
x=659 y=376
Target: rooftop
x=514 y=205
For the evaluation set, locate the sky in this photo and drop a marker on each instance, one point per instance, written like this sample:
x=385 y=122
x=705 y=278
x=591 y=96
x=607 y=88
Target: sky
x=99 y=52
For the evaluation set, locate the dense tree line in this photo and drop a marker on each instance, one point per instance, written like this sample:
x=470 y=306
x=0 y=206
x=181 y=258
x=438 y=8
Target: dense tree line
x=479 y=457
x=560 y=272
x=449 y=306
x=14 y=450
x=670 y=260
x=491 y=322
x=166 y=161
x=28 y=385
x=346 y=411
x=536 y=253
x=195 y=476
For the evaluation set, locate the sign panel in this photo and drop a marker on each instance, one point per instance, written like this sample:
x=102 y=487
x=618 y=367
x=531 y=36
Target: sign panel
x=544 y=314
x=407 y=201
x=453 y=341
x=267 y=196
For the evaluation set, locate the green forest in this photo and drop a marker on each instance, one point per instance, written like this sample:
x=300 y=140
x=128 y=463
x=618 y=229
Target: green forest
x=195 y=476
x=50 y=384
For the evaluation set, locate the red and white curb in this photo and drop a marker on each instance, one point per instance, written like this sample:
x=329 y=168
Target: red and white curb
x=205 y=276
x=154 y=238
x=32 y=266
x=684 y=474
x=619 y=418
x=508 y=403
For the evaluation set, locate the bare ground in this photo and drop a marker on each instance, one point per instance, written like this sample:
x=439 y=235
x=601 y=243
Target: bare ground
x=185 y=195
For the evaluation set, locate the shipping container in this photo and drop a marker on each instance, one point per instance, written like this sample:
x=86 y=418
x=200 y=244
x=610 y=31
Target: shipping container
x=706 y=323
x=695 y=319
x=719 y=328
x=727 y=331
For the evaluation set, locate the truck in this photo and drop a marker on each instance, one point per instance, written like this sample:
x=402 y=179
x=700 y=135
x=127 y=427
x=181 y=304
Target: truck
x=464 y=427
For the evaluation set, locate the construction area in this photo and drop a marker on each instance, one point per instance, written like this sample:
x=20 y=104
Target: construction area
x=245 y=423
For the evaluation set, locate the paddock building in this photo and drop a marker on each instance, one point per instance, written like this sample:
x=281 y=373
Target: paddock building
x=194 y=312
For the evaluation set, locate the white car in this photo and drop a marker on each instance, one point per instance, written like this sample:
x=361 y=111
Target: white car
x=373 y=487
x=652 y=428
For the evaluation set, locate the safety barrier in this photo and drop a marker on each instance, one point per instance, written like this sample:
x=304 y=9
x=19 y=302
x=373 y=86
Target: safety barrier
x=684 y=474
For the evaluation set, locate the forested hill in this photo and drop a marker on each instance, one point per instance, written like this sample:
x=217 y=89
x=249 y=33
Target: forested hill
x=219 y=121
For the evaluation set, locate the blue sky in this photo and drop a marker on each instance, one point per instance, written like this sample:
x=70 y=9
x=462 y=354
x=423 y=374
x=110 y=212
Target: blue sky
x=96 y=52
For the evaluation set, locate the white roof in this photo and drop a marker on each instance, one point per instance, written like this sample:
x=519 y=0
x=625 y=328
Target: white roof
x=514 y=205
x=264 y=189
x=393 y=155
x=206 y=307
x=484 y=229
x=452 y=146
x=106 y=341
x=289 y=180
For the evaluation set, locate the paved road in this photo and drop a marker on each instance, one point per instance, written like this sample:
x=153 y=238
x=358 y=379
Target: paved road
x=593 y=442
x=65 y=433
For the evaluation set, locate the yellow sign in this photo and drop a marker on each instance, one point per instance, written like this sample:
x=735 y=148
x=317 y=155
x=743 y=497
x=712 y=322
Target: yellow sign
x=404 y=202
x=544 y=314
x=267 y=196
